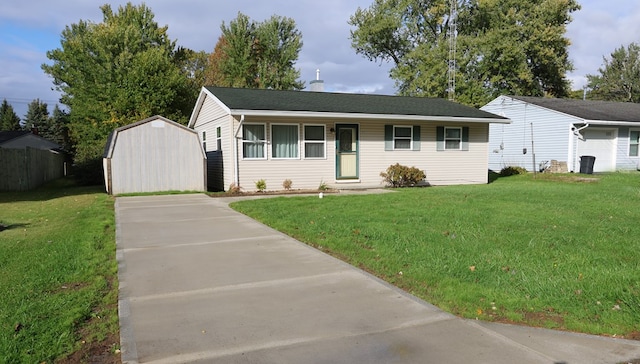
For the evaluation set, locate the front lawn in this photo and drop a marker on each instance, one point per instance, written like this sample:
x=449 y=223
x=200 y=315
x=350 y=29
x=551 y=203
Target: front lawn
x=58 y=275
x=557 y=251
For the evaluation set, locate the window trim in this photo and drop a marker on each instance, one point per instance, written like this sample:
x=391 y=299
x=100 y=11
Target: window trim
x=441 y=138
x=410 y=137
x=272 y=144
x=459 y=140
x=219 y=138
x=637 y=143
x=261 y=141
x=323 y=142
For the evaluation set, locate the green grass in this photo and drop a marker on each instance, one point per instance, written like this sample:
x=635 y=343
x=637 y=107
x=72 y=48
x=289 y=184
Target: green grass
x=57 y=272
x=552 y=251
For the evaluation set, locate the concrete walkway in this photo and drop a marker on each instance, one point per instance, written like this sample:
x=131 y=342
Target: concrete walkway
x=200 y=283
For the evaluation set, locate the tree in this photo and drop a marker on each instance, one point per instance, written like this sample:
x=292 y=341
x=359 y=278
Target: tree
x=503 y=46
x=37 y=116
x=57 y=129
x=9 y=120
x=257 y=55
x=619 y=78
x=117 y=72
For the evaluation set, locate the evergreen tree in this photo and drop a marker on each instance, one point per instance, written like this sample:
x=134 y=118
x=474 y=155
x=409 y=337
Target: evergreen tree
x=9 y=120
x=37 y=117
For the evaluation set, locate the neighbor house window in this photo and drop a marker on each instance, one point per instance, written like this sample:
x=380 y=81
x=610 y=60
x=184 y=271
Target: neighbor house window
x=314 y=141
x=204 y=140
x=284 y=141
x=452 y=138
x=401 y=137
x=253 y=141
x=634 y=141
x=219 y=138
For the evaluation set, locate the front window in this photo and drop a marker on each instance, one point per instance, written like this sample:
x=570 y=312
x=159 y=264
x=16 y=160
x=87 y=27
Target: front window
x=314 y=141
x=402 y=136
x=634 y=141
x=284 y=141
x=452 y=138
x=253 y=141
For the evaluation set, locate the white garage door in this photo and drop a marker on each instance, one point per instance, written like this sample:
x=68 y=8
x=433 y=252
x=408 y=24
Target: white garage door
x=602 y=144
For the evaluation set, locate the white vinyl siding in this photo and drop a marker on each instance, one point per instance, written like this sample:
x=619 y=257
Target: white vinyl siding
x=315 y=143
x=548 y=131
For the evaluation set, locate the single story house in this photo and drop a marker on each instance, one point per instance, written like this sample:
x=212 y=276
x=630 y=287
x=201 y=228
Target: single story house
x=338 y=139
x=152 y=155
x=564 y=130
x=20 y=139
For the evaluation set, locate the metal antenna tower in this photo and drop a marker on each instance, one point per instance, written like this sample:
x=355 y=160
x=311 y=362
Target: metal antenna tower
x=453 y=34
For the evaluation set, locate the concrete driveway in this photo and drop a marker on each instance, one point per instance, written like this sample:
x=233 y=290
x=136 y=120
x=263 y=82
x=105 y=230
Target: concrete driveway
x=200 y=283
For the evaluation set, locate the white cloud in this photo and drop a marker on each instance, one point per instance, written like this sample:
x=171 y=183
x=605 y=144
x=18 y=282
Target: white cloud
x=597 y=30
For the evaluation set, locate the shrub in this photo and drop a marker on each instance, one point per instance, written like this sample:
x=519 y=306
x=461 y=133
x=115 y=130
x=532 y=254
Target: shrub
x=323 y=186
x=261 y=185
x=512 y=170
x=234 y=189
x=402 y=176
x=286 y=184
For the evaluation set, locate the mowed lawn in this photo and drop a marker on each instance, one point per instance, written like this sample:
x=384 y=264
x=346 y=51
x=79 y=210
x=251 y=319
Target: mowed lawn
x=58 y=286
x=557 y=251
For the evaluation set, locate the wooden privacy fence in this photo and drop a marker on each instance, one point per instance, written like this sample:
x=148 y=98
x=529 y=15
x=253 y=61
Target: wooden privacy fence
x=25 y=169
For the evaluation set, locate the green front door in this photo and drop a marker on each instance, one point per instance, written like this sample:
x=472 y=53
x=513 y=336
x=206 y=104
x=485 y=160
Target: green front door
x=347 y=145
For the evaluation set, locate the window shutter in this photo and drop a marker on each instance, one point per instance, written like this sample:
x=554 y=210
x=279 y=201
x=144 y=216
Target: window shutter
x=388 y=137
x=416 y=137
x=465 y=138
x=440 y=138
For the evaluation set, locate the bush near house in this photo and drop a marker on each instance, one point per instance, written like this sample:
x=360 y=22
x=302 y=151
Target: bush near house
x=401 y=176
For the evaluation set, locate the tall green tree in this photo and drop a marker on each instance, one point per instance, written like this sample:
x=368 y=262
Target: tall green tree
x=257 y=55
x=37 y=116
x=117 y=72
x=57 y=129
x=503 y=46
x=9 y=120
x=619 y=77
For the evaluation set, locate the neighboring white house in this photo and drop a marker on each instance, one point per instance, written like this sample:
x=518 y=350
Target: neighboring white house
x=564 y=130
x=342 y=140
x=152 y=155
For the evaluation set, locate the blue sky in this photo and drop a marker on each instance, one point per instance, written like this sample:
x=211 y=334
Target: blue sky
x=30 y=28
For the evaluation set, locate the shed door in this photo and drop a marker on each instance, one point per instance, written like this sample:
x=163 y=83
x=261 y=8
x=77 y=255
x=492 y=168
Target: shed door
x=602 y=144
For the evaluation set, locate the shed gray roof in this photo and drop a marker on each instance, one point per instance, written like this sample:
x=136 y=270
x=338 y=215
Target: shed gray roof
x=111 y=139
x=344 y=103
x=588 y=109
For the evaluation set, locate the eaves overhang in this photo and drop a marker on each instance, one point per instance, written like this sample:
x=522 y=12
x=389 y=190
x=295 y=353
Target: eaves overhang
x=361 y=116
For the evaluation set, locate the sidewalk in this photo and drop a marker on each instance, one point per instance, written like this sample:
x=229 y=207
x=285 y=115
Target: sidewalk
x=200 y=283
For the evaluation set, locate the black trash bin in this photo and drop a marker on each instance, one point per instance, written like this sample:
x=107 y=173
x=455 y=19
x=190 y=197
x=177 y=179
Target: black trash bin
x=586 y=164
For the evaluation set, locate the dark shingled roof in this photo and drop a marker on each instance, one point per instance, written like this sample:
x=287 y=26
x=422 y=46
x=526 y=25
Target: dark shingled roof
x=307 y=101
x=5 y=136
x=587 y=109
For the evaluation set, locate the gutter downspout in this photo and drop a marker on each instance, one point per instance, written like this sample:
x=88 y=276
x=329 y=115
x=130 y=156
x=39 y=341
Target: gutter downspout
x=579 y=136
x=236 y=160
